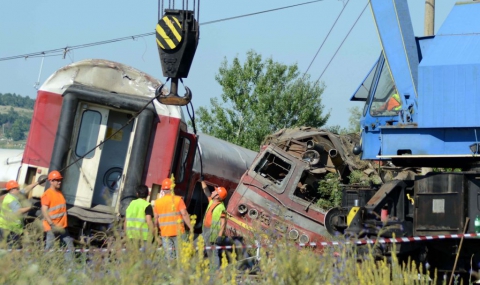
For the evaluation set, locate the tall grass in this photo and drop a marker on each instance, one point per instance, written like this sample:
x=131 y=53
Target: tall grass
x=120 y=262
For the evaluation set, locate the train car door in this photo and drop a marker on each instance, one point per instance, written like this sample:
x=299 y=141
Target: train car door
x=184 y=158
x=94 y=179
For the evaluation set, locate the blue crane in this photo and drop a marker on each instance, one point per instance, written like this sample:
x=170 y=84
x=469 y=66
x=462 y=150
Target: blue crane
x=436 y=78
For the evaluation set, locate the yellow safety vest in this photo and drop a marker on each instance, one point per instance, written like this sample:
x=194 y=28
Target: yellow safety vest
x=8 y=220
x=137 y=227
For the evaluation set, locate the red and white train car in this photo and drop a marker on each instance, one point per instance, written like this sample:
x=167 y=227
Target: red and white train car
x=98 y=123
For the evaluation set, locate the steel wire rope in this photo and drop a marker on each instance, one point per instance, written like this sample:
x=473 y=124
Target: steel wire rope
x=69 y=48
x=324 y=40
x=192 y=119
x=343 y=41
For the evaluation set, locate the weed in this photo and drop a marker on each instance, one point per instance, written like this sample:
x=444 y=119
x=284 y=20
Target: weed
x=119 y=263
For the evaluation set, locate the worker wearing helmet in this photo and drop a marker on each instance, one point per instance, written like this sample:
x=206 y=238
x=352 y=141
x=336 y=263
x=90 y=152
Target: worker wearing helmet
x=170 y=216
x=215 y=221
x=139 y=218
x=54 y=210
x=11 y=211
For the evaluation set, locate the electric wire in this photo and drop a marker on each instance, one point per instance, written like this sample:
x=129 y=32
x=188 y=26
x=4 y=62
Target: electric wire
x=325 y=39
x=331 y=59
x=261 y=12
x=133 y=37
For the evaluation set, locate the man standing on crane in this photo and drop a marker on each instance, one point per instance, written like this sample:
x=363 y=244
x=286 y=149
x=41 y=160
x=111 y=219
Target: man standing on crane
x=215 y=221
x=54 y=210
x=170 y=216
x=11 y=211
x=139 y=218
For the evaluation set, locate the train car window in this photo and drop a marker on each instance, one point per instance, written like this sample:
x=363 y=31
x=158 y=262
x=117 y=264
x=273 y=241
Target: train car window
x=307 y=188
x=273 y=168
x=88 y=133
x=182 y=159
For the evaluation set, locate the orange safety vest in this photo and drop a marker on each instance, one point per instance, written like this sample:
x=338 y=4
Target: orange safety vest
x=169 y=217
x=57 y=209
x=393 y=104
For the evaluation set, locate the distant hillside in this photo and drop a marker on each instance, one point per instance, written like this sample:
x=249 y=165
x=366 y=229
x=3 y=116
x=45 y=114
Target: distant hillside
x=15 y=116
x=21 y=111
x=14 y=100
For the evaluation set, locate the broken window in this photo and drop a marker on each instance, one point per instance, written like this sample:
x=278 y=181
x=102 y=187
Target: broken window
x=319 y=190
x=273 y=168
x=307 y=188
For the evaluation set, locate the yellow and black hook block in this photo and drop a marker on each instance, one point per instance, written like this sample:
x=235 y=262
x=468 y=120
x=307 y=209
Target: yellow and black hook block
x=177 y=34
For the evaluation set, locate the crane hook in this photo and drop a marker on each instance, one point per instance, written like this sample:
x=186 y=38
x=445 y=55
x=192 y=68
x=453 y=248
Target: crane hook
x=172 y=98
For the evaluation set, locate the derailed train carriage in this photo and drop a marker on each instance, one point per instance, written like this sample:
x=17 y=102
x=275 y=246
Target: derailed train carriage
x=98 y=122
x=280 y=191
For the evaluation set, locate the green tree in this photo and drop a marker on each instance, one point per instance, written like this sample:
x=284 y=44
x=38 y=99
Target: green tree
x=16 y=132
x=354 y=119
x=336 y=129
x=258 y=98
x=15 y=100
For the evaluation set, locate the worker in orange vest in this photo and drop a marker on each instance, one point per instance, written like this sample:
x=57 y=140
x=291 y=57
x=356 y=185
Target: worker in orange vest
x=170 y=216
x=394 y=103
x=215 y=221
x=54 y=210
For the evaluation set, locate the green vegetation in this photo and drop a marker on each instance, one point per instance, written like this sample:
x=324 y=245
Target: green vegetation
x=15 y=118
x=331 y=192
x=14 y=100
x=281 y=262
x=330 y=187
x=260 y=97
x=359 y=177
x=353 y=123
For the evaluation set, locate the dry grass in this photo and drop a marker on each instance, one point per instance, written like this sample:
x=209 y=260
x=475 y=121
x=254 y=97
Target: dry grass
x=280 y=263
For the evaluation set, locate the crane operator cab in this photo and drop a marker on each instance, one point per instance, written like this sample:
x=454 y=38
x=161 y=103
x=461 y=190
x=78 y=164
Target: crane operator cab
x=383 y=105
x=386 y=104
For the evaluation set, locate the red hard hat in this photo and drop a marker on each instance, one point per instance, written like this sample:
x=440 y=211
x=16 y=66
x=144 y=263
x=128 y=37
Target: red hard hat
x=12 y=184
x=54 y=175
x=222 y=193
x=166 y=184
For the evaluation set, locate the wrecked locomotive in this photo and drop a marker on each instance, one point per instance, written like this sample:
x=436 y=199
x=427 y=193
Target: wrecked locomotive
x=280 y=190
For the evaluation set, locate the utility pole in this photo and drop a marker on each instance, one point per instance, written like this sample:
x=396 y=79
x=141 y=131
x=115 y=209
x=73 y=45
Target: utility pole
x=428 y=31
x=429 y=17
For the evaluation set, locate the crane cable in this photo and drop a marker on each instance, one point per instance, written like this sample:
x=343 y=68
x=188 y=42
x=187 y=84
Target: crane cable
x=325 y=39
x=343 y=41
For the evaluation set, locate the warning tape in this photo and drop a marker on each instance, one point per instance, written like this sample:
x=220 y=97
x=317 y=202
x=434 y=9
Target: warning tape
x=394 y=240
x=310 y=244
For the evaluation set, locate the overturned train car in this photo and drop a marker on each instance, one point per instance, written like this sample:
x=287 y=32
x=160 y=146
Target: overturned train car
x=98 y=123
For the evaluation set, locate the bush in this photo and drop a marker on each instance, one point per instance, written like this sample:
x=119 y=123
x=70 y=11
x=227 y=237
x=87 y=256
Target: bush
x=330 y=191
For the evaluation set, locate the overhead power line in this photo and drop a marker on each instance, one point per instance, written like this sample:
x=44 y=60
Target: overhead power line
x=331 y=59
x=65 y=50
x=325 y=39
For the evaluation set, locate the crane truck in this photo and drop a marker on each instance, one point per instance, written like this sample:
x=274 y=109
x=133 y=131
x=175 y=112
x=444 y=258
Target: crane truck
x=420 y=102
x=434 y=124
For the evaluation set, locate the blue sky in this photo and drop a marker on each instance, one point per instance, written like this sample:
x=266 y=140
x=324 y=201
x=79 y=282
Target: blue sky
x=289 y=36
